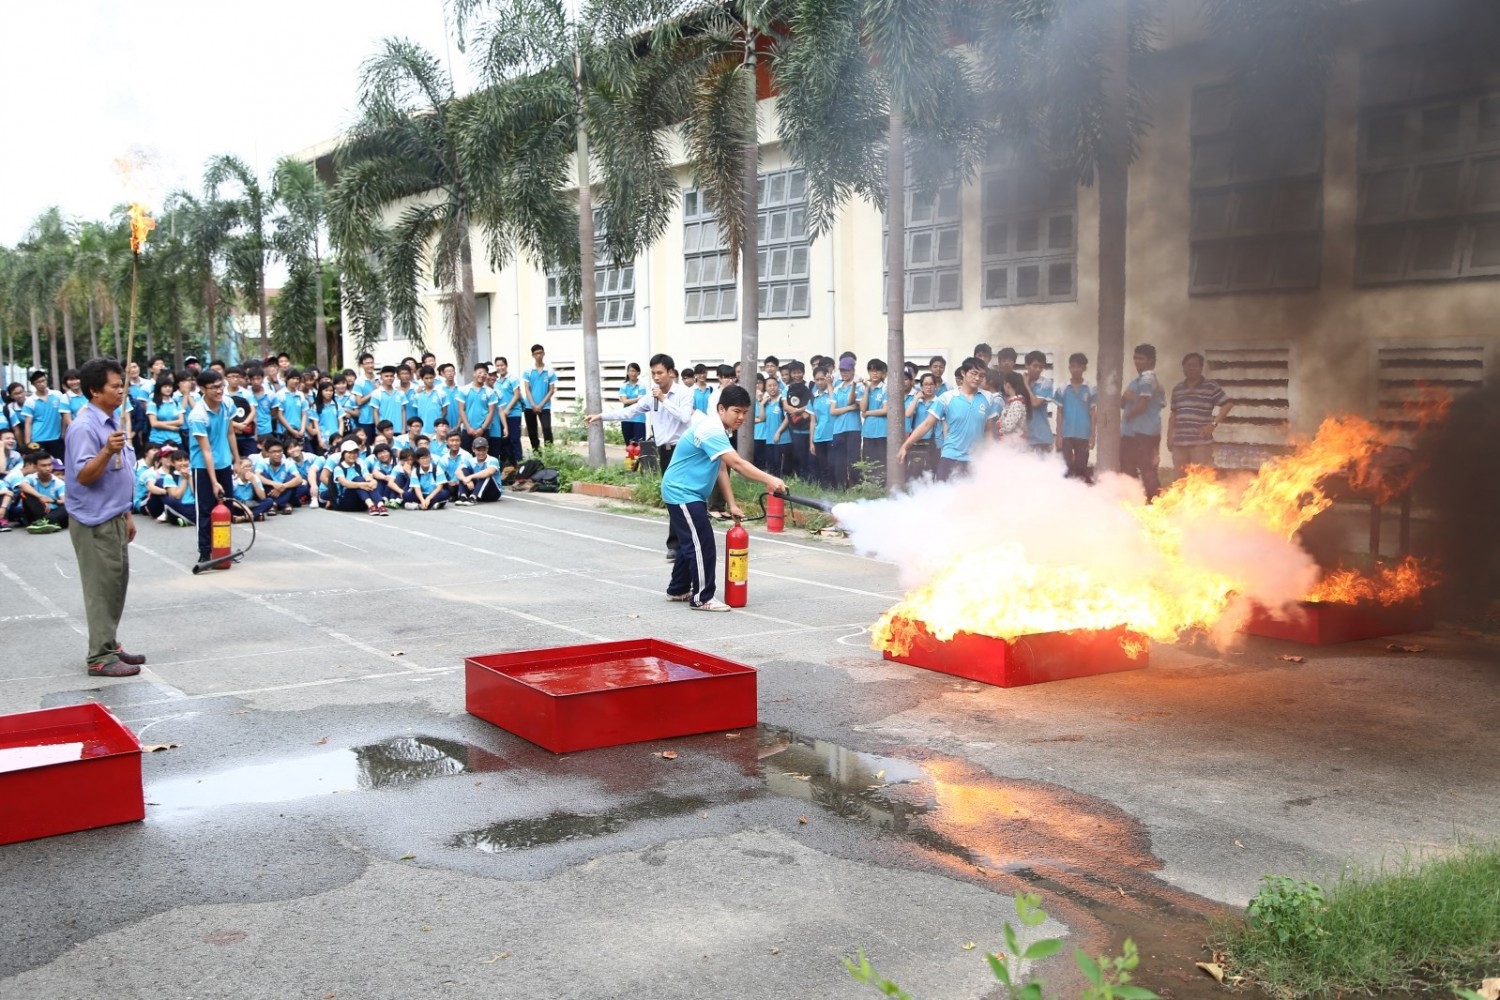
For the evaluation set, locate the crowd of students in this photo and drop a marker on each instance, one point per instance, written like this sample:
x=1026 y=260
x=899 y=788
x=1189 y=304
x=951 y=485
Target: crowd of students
x=411 y=437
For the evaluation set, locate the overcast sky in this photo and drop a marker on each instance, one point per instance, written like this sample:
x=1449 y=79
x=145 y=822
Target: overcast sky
x=84 y=82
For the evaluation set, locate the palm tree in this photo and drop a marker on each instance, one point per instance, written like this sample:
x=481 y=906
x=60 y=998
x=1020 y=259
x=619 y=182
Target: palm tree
x=407 y=152
x=702 y=69
x=247 y=249
x=46 y=257
x=872 y=89
x=201 y=235
x=296 y=237
x=560 y=82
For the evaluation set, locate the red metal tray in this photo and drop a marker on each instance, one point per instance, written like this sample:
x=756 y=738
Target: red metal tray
x=1325 y=623
x=67 y=769
x=605 y=694
x=1026 y=659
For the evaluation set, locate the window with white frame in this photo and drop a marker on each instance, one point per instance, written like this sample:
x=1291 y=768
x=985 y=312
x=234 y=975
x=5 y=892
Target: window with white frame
x=1257 y=198
x=1030 y=248
x=709 y=276
x=614 y=290
x=1429 y=166
x=781 y=226
x=934 y=258
x=1258 y=381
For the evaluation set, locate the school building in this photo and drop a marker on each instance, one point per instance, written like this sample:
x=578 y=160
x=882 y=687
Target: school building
x=1339 y=268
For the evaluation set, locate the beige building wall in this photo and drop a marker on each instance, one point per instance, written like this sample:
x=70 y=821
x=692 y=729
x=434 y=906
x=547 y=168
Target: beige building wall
x=1324 y=343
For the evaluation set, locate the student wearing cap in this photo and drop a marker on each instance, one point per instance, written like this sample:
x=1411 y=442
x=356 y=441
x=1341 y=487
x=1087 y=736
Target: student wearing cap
x=479 y=476
x=353 y=489
x=101 y=489
x=844 y=409
x=702 y=460
x=213 y=454
x=46 y=415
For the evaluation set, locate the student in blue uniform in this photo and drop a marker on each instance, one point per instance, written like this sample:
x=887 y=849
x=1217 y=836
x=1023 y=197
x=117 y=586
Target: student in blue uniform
x=702 y=459
x=293 y=414
x=873 y=418
x=1140 y=424
x=538 y=385
x=363 y=393
x=250 y=493
x=820 y=448
x=351 y=487
x=45 y=415
x=213 y=453
x=479 y=477
x=634 y=429
x=425 y=489
x=476 y=407
x=171 y=493
x=278 y=477
x=43 y=498
x=1039 y=433
x=965 y=413
x=167 y=414
x=328 y=417
x=429 y=401
x=508 y=409
x=1075 y=420
x=389 y=401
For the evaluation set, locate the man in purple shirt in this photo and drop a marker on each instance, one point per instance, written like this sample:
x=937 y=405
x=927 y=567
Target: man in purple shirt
x=100 y=489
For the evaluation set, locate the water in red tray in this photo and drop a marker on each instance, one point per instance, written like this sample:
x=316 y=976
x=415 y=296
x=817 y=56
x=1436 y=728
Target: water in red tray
x=633 y=671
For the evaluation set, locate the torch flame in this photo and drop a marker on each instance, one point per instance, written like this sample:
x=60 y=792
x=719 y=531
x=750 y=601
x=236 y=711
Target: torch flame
x=141 y=224
x=1198 y=557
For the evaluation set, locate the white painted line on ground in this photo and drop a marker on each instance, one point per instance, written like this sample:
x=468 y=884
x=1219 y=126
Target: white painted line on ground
x=243 y=692
x=42 y=599
x=830 y=586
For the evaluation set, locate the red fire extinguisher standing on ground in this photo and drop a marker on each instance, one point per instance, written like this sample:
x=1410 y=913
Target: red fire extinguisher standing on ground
x=220 y=518
x=737 y=566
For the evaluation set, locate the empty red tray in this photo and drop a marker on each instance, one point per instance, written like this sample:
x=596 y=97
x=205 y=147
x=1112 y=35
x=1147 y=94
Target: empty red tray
x=1026 y=659
x=1324 y=623
x=67 y=769
x=601 y=695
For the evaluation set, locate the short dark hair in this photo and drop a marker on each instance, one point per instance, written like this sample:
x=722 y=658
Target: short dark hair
x=982 y=350
x=445 y=364
x=876 y=365
x=385 y=425
x=633 y=367
x=665 y=360
x=501 y=358
x=1078 y=358
x=272 y=441
x=1005 y=354
x=209 y=377
x=483 y=366
x=938 y=359
x=734 y=395
x=94 y=375
x=414 y=420
x=725 y=371
x=387 y=369
x=1036 y=356
x=426 y=370
x=367 y=356
x=537 y=347
x=39 y=373
x=421 y=453
x=382 y=446
x=1193 y=356
x=969 y=364
x=1147 y=351
x=771 y=359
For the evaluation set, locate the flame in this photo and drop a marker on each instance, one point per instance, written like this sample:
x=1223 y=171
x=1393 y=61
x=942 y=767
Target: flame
x=1182 y=583
x=1400 y=583
x=141 y=224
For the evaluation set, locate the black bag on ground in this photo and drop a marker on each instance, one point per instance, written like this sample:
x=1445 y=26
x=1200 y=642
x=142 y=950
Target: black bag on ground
x=524 y=471
x=545 y=481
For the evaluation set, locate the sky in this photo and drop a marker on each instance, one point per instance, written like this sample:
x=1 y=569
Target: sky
x=174 y=82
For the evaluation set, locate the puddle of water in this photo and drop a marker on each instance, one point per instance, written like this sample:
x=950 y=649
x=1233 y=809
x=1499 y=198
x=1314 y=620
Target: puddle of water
x=560 y=827
x=385 y=764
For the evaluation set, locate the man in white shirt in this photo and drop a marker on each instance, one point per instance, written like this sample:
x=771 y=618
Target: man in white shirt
x=671 y=407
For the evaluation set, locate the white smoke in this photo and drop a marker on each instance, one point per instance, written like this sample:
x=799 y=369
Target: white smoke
x=1017 y=517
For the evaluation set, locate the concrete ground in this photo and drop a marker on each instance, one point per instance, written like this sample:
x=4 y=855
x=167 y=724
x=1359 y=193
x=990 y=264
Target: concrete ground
x=334 y=825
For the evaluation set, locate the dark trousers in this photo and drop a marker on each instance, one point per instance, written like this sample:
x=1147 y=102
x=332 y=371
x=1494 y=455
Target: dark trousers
x=872 y=450
x=35 y=512
x=664 y=459
x=205 y=501
x=1140 y=456
x=56 y=448
x=693 y=570
x=821 y=471
x=1075 y=452
x=351 y=500
x=257 y=508
x=440 y=496
x=369 y=430
x=247 y=445
x=533 y=419
x=948 y=468
x=921 y=459
x=487 y=490
x=797 y=461
x=633 y=431
x=840 y=462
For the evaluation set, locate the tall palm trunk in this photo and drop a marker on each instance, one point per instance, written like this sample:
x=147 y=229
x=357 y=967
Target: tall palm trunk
x=320 y=324
x=260 y=294
x=750 y=254
x=69 y=352
x=93 y=330
x=211 y=306
x=177 y=335
x=52 y=346
x=1114 y=191
x=895 y=335
x=592 y=396
x=36 y=341
x=465 y=325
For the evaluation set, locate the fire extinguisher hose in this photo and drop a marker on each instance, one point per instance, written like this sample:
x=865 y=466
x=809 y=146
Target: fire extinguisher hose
x=238 y=554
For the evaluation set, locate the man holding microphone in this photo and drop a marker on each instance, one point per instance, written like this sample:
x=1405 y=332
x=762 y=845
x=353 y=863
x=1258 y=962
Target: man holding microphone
x=100 y=489
x=671 y=407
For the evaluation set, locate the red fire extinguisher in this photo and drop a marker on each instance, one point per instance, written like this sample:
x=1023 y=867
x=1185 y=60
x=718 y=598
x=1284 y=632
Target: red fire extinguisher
x=775 y=513
x=737 y=566
x=220 y=519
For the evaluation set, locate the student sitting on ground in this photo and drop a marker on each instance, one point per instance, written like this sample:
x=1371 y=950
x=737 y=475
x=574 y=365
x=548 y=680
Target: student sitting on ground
x=250 y=493
x=425 y=489
x=479 y=477
x=353 y=488
x=449 y=460
x=43 y=509
x=306 y=467
x=171 y=495
x=388 y=474
x=146 y=469
x=278 y=476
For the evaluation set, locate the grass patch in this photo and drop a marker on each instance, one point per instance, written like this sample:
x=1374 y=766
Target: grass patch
x=1421 y=925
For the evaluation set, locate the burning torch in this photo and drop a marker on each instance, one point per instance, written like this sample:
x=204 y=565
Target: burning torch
x=140 y=225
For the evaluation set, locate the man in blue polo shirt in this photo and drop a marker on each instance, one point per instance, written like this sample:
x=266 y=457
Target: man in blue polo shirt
x=45 y=415
x=214 y=454
x=362 y=391
x=965 y=412
x=1140 y=426
x=508 y=408
x=389 y=401
x=537 y=386
x=476 y=407
x=701 y=461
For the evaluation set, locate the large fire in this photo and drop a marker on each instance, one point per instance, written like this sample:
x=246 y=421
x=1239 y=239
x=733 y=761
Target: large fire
x=141 y=225
x=1204 y=543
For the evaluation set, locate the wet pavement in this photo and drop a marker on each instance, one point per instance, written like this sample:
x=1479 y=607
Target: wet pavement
x=333 y=824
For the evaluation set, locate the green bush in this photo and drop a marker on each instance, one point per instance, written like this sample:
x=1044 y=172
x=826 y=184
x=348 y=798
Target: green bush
x=1413 y=926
